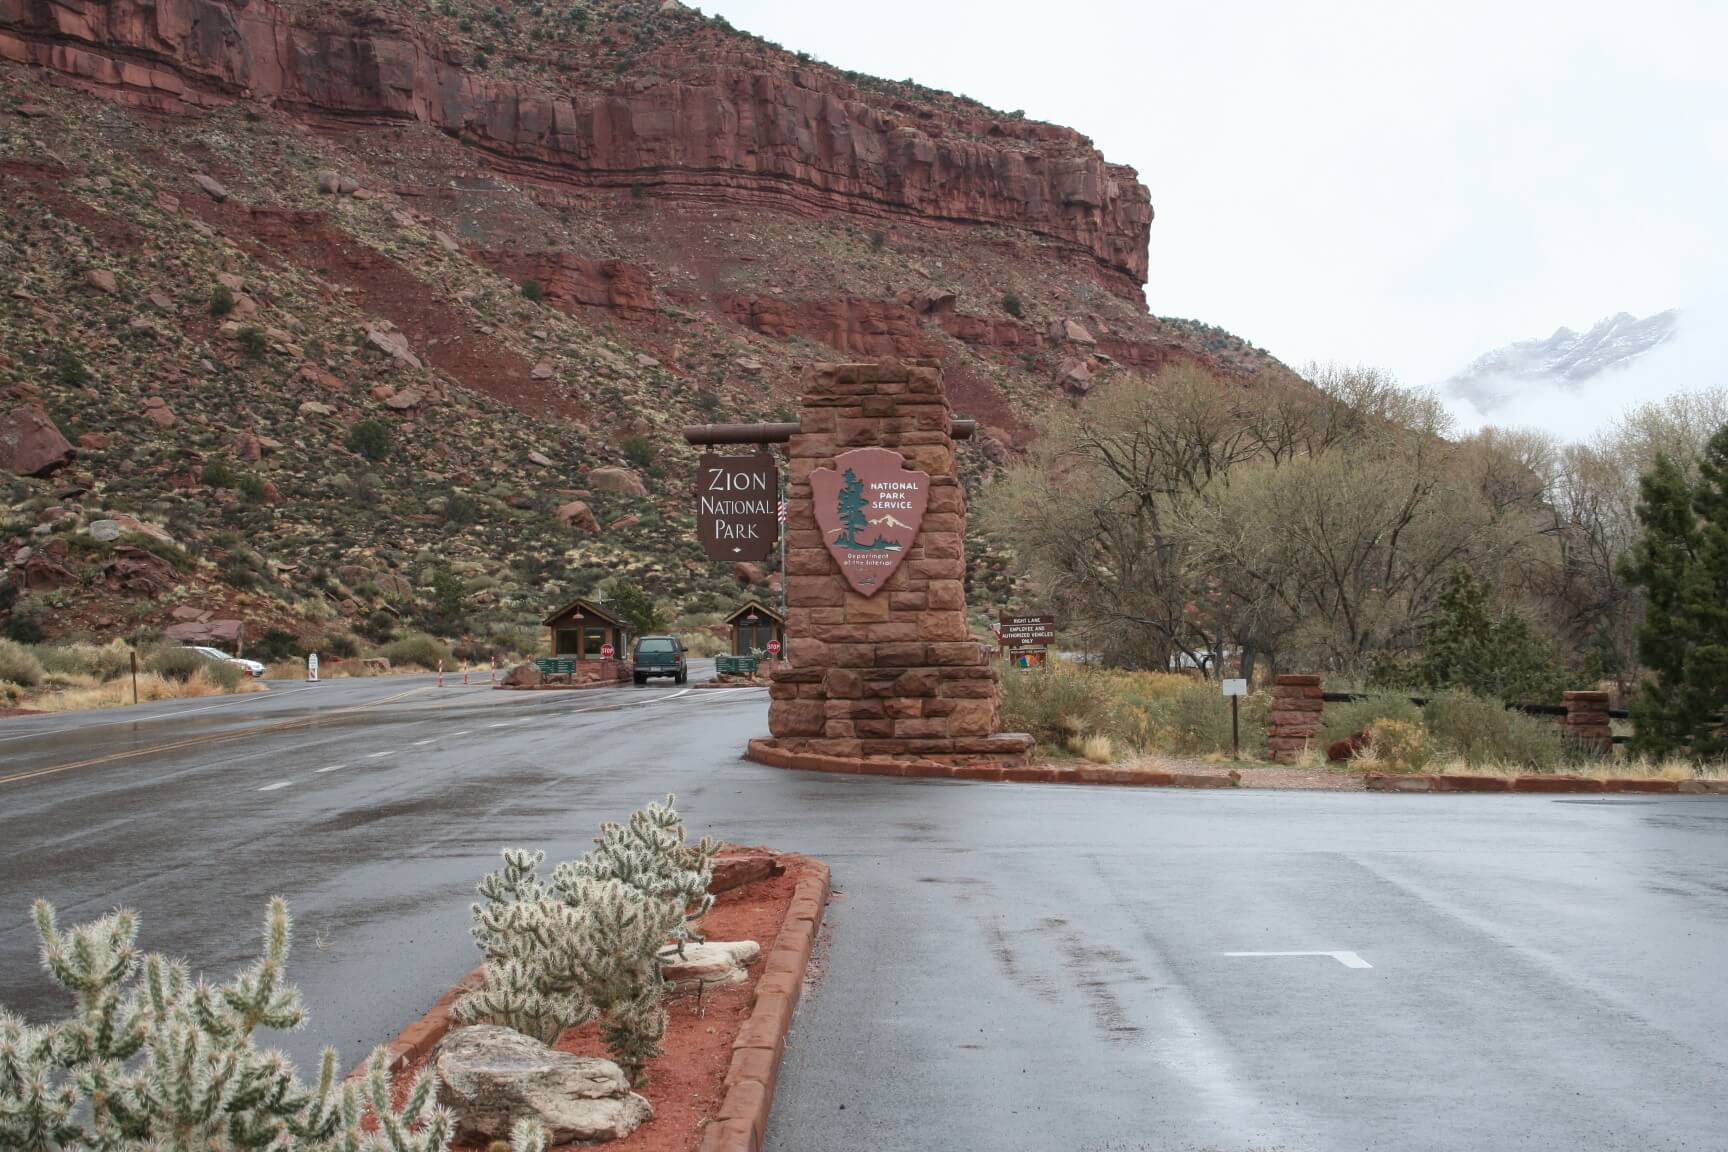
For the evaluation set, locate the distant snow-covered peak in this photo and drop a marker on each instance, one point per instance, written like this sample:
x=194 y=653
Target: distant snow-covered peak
x=1565 y=359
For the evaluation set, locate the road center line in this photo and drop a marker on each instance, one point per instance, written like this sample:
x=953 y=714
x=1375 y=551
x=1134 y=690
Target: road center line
x=375 y=755
x=278 y=784
x=1348 y=959
x=464 y=732
x=423 y=743
x=333 y=768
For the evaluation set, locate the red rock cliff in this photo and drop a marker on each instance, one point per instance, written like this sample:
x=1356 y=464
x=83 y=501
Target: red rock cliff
x=723 y=118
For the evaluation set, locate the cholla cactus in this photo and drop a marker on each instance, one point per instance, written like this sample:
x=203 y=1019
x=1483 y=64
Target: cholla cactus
x=588 y=944
x=160 y=1064
x=649 y=853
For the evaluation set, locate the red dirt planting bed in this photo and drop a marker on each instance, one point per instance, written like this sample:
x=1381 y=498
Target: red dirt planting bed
x=712 y=1088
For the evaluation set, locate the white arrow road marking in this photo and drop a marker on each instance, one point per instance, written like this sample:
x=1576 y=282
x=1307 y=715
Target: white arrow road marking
x=278 y=784
x=333 y=768
x=1348 y=959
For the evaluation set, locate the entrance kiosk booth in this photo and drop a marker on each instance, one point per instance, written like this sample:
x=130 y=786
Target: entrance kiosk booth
x=753 y=625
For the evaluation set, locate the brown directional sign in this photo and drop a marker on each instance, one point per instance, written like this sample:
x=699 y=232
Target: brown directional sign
x=1026 y=631
x=737 y=506
x=869 y=507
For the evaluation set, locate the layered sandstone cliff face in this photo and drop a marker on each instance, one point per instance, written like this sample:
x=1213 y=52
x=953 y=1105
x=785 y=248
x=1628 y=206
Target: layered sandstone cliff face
x=712 y=116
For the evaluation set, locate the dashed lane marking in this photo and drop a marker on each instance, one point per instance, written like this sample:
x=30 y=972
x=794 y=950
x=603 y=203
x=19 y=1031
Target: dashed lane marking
x=1348 y=959
x=464 y=732
x=375 y=755
x=423 y=743
x=212 y=738
x=333 y=768
x=278 y=784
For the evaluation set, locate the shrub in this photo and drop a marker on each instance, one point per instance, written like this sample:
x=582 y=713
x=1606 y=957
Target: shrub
x=639 y=451
x=19 y=665
x=1187 y=717
x=69 y=370
x=151 y=1058
x=182 y=664
x=369 y=438
x=416 y=650
x=1057 y=703
x=1482 y=731
x=101 y=662
x=586 y=944
x=251 y=487
x=341 y=645
x=24 y=621
x=221 y=300
x=1346 y=720
x=1398 y=745
x=532 y=290
x=253 y=341
x=276 y=644
x=1011 y=304
x=218 y=474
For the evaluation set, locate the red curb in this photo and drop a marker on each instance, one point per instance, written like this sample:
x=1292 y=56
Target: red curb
x=1387 y=782
x=742 y=1119
x=765 y=752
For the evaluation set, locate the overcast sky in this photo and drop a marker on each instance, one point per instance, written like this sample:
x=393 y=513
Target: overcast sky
x=1405 y=184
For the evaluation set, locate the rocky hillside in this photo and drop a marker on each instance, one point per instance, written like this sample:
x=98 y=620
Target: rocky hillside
x=342 y=317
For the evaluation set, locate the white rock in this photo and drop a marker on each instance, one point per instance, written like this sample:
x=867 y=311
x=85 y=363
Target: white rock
x=491 y=1077
x=711 y=964
x=104 y=530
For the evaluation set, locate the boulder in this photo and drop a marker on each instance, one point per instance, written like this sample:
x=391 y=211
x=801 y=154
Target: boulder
x=620 y=480
x=748 y=573
x=102 y=280
x=522 y=676
x=540 y=458
x=211 y=187
x=492 y=1077
x=383 y=335
x=542 y=371
x=1072 y=331
x=578 y=515
x=708 y=965
x=30 y=444
x=624 y=522
x=104 y=531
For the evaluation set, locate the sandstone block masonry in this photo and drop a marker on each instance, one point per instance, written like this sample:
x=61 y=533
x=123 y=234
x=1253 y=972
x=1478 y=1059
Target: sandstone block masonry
x=897 y=673
x=1297 y=710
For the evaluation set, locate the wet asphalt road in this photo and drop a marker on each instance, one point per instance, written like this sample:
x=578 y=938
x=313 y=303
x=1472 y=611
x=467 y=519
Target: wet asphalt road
x=1011 y=966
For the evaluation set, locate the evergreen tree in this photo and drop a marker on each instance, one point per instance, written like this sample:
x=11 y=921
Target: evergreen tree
x=1467 y=644
x=851 y=505
x=1681 y=563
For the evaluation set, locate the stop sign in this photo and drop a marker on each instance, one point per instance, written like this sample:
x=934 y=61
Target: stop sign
x=773 y=647
x=605 y=651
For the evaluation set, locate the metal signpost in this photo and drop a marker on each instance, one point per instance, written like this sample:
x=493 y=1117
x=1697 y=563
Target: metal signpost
x=1235 y=690
x=737 y=506
x=1027 y=638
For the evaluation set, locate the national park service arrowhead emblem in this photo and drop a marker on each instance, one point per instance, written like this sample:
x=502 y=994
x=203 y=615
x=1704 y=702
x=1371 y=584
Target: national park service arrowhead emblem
x=869 y=506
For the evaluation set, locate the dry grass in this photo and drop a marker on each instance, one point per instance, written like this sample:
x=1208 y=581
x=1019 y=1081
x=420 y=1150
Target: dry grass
x=1096 y=748
x=117 y=693
x=1627 y=769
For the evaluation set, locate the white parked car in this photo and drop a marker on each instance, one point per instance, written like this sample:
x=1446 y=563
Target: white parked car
x=251 y=667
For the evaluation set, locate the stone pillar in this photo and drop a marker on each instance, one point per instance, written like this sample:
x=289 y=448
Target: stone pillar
x=895 y=673
x=1297 y=712
x=1586 y=722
